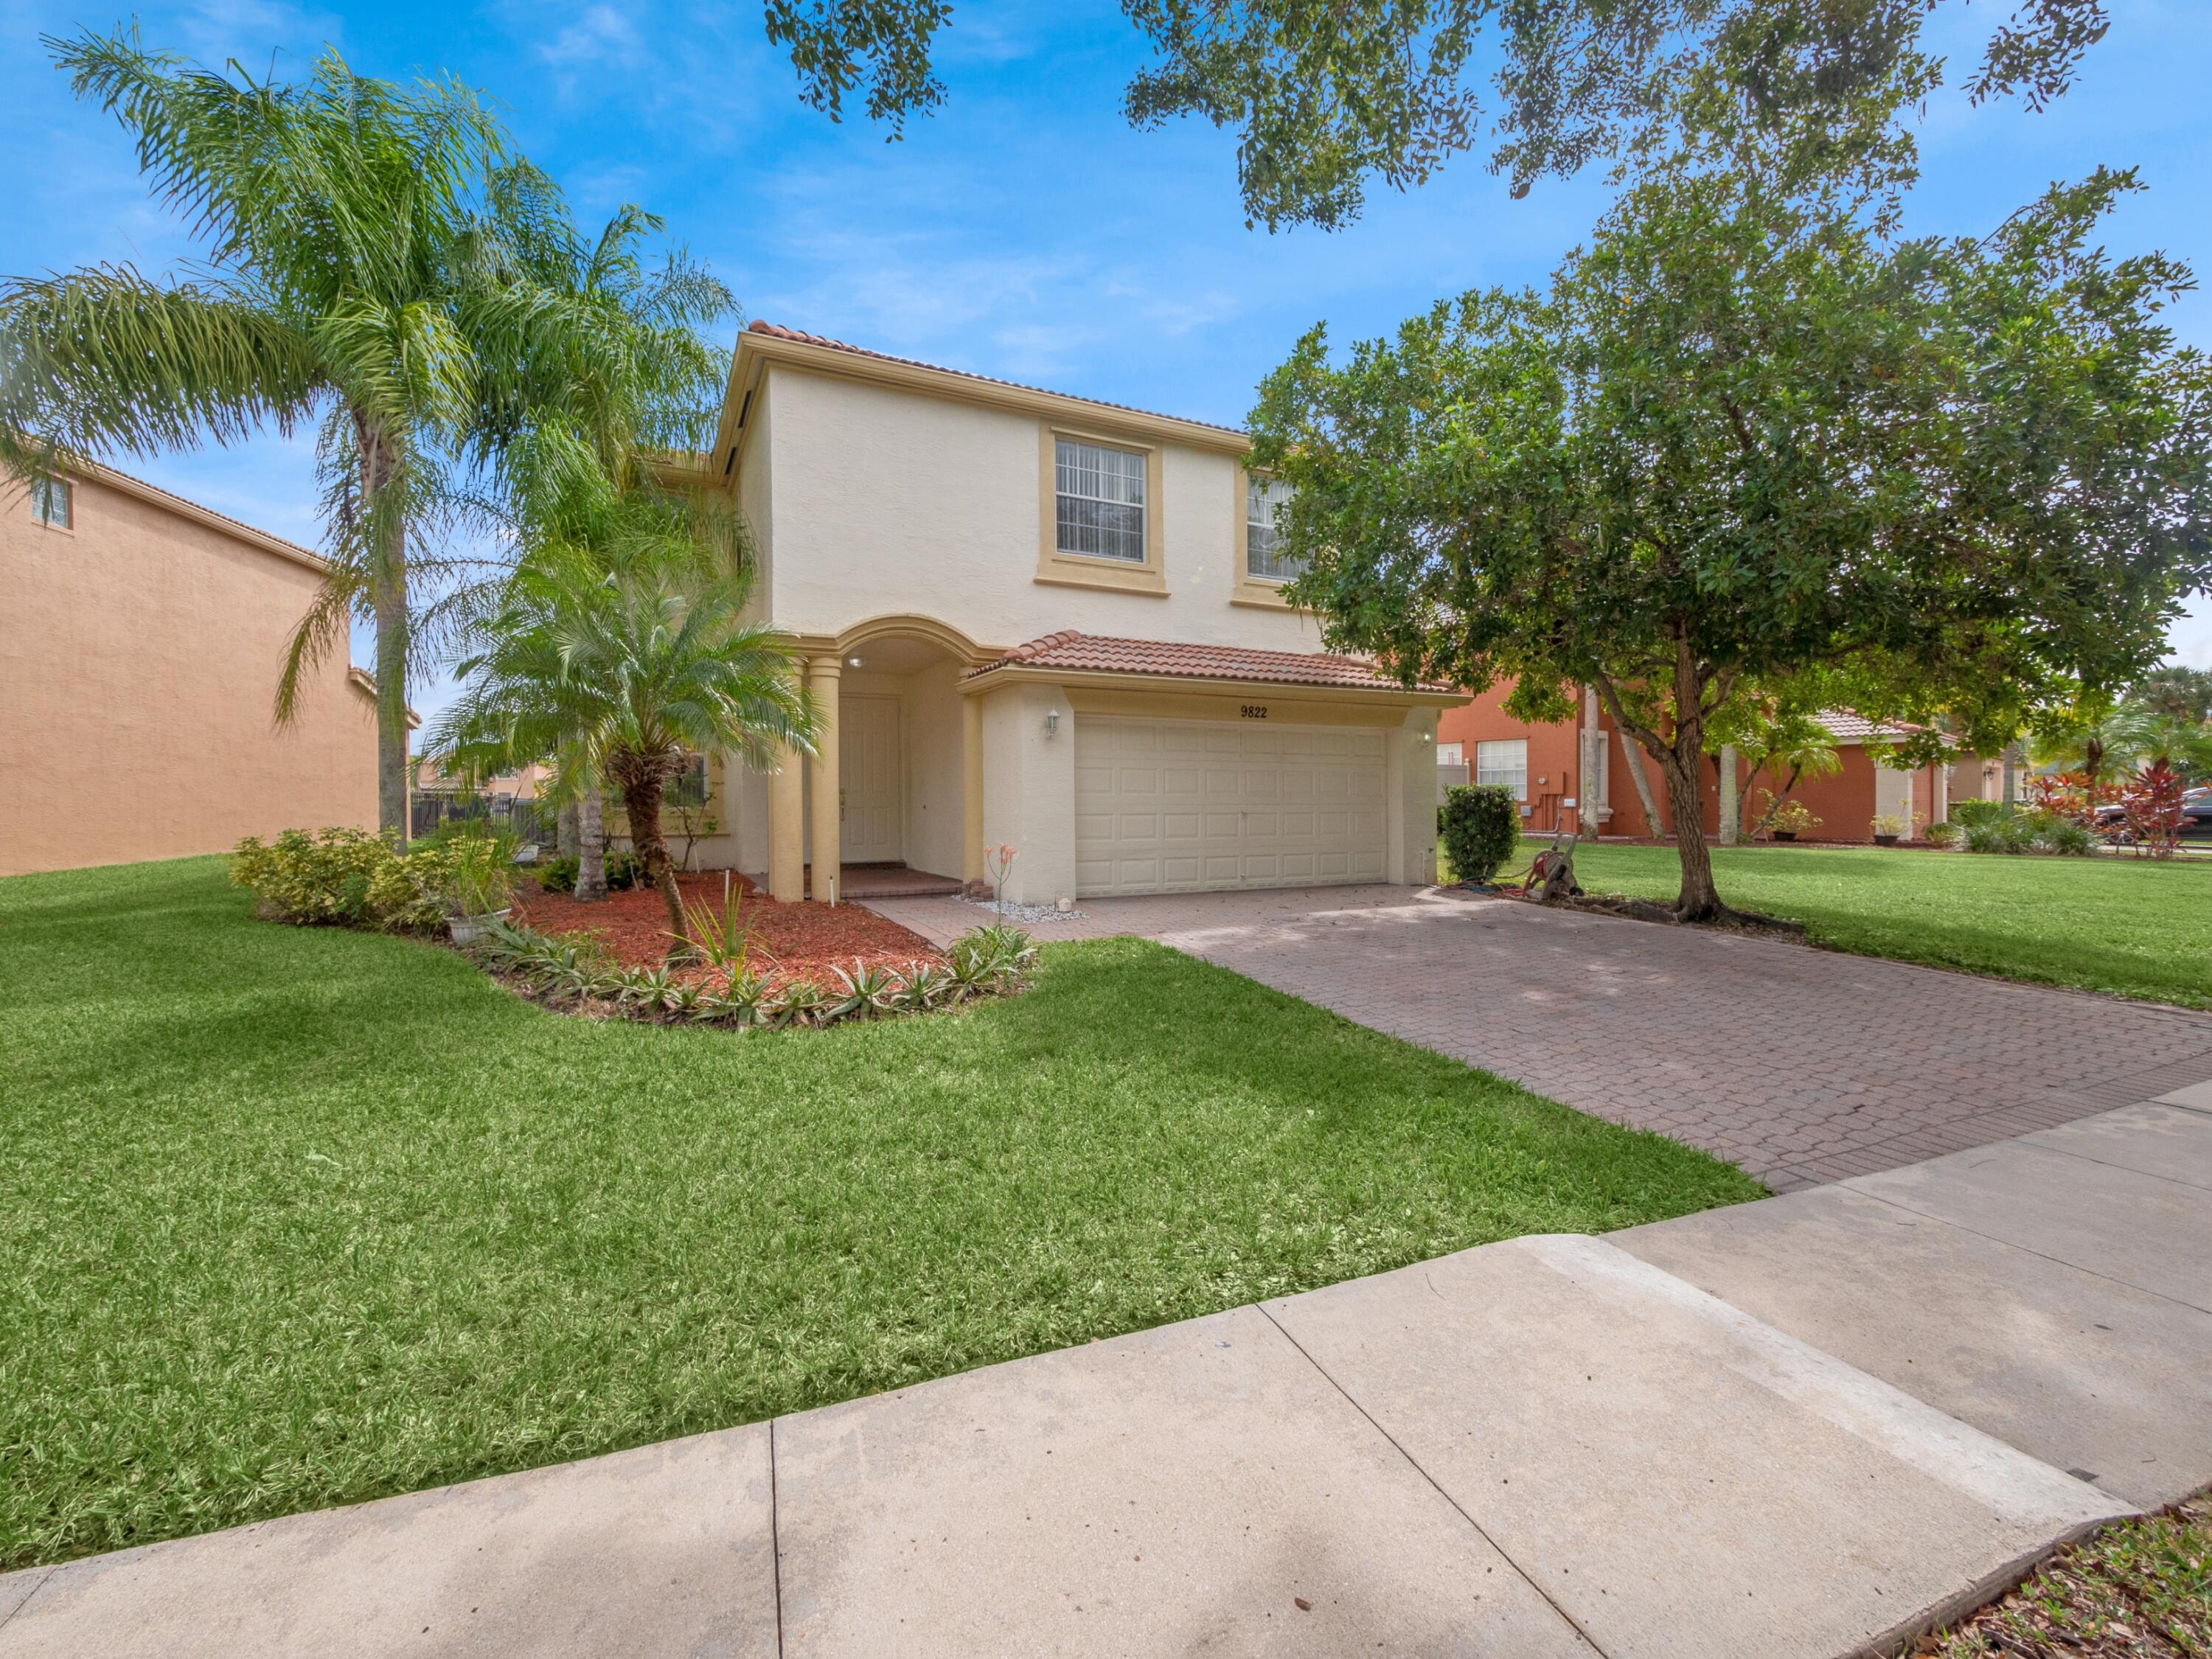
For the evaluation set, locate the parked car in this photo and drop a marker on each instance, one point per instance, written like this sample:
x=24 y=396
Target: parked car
x=2196 y=815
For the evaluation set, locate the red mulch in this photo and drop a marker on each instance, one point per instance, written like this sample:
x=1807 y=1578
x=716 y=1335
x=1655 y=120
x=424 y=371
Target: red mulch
x=804 y=941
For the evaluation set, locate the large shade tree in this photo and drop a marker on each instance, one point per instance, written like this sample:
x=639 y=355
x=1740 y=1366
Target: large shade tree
x=378 y=268
x=620 y=646
x=1744 y=437
x=1325 y=97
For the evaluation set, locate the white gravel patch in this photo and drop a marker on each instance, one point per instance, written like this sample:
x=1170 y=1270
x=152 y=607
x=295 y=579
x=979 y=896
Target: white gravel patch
x=1028 y=914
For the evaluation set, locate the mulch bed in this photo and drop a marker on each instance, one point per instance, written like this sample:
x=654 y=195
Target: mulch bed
x=803 y=940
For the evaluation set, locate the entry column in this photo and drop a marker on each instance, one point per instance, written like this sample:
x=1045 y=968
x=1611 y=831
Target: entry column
x=787 y=827
x=825 y=779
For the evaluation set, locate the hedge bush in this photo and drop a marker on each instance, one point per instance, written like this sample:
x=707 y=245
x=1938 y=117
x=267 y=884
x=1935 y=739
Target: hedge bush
x=1479 y=825
x=350 y=879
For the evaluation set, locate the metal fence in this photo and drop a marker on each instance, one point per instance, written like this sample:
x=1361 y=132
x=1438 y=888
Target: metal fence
x=526 y=820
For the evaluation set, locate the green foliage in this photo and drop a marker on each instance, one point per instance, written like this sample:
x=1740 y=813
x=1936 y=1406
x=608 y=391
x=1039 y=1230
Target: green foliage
x=317 y=876
x=1323 y=95
x=1968 y=813
x=558 y=874
x=1479 y=825
x=382 y=269
x=1745 y=437
x=428 y=1233
x=1945 y=834
x=2124 y=926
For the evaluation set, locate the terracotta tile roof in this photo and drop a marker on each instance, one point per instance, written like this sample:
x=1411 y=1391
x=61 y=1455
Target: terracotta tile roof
x=775 y=331
x=1096 y=654
x=1846 y=726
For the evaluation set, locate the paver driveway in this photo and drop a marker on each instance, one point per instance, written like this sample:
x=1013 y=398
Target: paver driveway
x=1801 y=1066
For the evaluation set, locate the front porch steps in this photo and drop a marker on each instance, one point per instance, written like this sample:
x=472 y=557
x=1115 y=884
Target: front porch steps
x=867 y=881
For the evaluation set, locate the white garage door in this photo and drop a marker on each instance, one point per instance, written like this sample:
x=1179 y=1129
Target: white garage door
x=1166 y=806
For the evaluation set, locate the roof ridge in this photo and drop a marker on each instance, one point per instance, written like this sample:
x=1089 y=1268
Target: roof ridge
x=778 y=331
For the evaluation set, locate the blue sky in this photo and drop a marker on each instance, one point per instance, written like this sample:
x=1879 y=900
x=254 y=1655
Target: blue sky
x=1026 y=231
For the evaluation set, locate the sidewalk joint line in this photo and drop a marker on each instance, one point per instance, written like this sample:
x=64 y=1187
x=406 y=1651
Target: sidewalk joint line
x=2106 y=1164
x=30 y=1596
x=1572 y=1623
x=2068 y=1151
x=774 y=1539
x=2024 y=1249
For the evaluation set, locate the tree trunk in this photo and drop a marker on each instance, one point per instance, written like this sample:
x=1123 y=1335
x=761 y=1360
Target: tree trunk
x=641 y=793
x=591 y=849
x=1634 y=751
x=1699 y=901
x=391 y=607
x=568 y=831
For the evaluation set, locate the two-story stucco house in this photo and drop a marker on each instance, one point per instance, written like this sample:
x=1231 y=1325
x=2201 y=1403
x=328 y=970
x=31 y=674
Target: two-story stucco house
x=1042 y=621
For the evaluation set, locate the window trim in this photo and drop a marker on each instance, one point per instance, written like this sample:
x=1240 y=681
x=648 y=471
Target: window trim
x=1475 y=767
x=69 y=492
x=1062 y=569
x=1263 y=592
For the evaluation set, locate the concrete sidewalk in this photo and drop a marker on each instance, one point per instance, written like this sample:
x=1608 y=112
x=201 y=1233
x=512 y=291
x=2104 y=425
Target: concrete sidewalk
x=1803 y=1427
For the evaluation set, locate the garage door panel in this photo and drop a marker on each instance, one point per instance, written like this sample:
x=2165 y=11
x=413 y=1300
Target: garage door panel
x=1225 y=804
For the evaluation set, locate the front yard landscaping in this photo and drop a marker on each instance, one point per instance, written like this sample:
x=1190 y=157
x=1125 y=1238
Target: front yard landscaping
x=2132 y=927
x=293 y=1217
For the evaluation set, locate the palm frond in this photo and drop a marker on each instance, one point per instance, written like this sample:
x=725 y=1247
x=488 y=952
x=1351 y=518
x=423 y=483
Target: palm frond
x=104 y=360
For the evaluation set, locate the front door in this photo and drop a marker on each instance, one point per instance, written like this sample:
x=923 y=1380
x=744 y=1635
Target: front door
x=868 y=767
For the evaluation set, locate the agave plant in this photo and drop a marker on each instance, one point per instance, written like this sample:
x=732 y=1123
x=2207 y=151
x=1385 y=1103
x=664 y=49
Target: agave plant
x=864 y=993
x=802 y=1002
x=745 y=1000
x=920 y=986
x=651 y=990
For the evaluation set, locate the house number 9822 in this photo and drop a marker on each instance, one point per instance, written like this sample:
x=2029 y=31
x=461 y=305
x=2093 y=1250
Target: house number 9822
x=1254 y=711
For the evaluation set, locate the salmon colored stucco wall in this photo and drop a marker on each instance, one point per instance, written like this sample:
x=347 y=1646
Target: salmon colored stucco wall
x=138 y=658
x=1843 y=801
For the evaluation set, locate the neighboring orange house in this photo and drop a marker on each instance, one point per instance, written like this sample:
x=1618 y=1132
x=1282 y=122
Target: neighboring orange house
x=140 y=643
x=1544 y=764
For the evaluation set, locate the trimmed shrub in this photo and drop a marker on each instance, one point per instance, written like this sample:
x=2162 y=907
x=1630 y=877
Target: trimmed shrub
x=315 y=876
x=1480 y=828
x=559 y=875
x=1968 y=813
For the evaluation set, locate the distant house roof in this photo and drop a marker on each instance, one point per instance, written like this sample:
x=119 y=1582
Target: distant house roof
x=1098 y=654
x=365 y=682
x=774 y=332
x=100 y=473
x=1846 y=726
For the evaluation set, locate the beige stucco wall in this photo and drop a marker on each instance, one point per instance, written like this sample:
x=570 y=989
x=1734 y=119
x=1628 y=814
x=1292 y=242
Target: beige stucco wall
x=880 y=500
x=138 y=658
x=1029 y=789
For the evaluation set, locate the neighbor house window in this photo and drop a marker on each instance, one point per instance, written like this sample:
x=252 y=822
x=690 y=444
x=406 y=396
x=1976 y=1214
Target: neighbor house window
x=51 y=502
x=1100 y=501
x=1503 y=762
x=1264 y=498
x=690 y=788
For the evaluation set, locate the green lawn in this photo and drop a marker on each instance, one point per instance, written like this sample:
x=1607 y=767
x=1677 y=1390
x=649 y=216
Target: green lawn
x=2133 y=928
x=294 y=1218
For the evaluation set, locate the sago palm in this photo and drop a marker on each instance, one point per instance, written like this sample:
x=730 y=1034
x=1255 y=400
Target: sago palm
x=623 y=635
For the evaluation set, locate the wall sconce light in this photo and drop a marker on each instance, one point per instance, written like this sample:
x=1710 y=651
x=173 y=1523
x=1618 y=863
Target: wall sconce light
x=855 y=662
x=1051 y=723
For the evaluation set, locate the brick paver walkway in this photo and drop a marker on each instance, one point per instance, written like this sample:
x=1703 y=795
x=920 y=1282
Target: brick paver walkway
x=1801 y=1066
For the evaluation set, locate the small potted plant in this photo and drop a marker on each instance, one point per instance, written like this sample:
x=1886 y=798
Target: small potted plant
x=1890 y=828
x=1791 y=820
x=478 y=887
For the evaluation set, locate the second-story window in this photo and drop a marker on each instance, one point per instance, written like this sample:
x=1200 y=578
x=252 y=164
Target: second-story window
x=51 y=502
x=1263 y=547
x=1100 y=505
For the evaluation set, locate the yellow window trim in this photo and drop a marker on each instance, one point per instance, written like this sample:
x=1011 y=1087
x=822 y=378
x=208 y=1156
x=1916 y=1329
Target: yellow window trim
x=1059 y=569
x=1257 y=592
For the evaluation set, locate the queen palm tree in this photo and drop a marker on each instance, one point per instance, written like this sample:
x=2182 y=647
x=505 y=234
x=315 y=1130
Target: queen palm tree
x=620 y=646
x=378 y=265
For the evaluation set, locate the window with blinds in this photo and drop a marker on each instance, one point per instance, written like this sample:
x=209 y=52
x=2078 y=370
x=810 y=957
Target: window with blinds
x=1263 y=554
x=1100 y=501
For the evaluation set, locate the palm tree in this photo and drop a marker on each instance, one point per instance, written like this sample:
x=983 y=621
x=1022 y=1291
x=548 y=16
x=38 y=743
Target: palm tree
x=376 y=263
x=620 y=643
